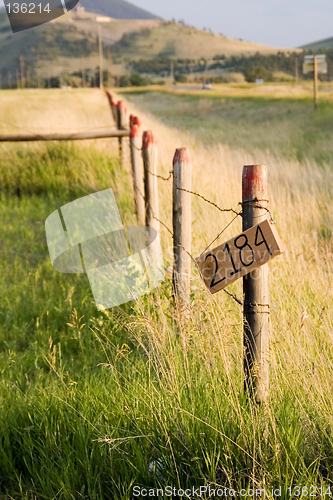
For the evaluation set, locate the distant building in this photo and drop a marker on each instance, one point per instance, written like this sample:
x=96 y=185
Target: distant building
x=103 y=19
x=79 y=13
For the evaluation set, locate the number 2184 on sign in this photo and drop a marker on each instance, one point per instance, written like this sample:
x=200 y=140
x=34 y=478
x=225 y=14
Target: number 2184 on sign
x=239 y=256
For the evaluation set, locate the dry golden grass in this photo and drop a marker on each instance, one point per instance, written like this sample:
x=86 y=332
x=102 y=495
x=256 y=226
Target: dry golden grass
x=301 y=201
x=179 y=41
x=43 y=111
x=188 y=403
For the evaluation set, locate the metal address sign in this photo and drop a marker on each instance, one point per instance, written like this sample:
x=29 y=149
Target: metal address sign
x=239 y=256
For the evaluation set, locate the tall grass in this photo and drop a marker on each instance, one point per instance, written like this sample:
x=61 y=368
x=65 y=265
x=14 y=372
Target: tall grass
x=94 y=403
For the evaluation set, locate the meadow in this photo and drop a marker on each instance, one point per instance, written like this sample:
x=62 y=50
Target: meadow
x=93 y=403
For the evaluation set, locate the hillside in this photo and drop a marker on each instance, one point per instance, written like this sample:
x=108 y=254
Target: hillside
x=70 y=43
x=177 y=40
x=118 y=9
x=325 y=44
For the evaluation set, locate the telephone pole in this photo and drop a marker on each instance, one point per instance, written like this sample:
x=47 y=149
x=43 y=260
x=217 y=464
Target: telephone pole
x=83 y=74
x=109 y=67
x=172 y=71
x=22 y=72
x=296 y=70
x=100 y=43
x=315 y=81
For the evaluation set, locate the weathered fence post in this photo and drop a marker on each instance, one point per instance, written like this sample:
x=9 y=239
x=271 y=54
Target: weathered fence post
x=137 y=171
x=120 y=126
x=113 y=106
x=149 y=155
x=255 y=285
x=182 y=173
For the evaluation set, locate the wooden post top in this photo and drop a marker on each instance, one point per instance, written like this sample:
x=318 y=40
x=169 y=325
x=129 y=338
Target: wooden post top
x=134 y=120
x=148 y=139
x=183 y=155
x=134 y=132
x=254 y=183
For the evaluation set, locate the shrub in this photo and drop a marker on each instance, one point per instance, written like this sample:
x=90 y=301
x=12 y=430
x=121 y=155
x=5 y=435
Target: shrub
x=138 y=80
x=181 y=78
x=254 y=73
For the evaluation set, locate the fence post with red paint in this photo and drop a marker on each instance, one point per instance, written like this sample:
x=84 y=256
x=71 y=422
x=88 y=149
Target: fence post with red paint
x=113 y=105
x=182 y=178
x=149 y=155
x=137 y=170
x=255 y=286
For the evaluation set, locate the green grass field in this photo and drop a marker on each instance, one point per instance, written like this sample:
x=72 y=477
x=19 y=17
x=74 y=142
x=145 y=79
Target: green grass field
x=250 y=118
x=94 y=403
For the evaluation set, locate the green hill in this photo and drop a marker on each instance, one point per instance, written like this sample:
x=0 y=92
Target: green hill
x=325 y=44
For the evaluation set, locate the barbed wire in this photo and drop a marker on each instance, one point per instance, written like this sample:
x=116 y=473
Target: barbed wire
x=210 y=202
x=195 y=194
x=221 y=232
x=249 y=204
x=231 y=295
x=237 y=214
x=160 y=176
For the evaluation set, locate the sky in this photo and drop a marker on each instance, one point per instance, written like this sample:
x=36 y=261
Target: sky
x=280 y=23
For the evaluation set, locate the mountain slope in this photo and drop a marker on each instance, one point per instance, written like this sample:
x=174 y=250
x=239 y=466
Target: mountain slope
x=71 y=43
x=325 y=44
x=177 y=40
x=118 y=9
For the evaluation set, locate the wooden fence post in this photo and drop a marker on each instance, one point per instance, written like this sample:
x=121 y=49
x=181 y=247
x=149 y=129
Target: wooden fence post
x=137 y=171
x=120 y=126
x=255 y=286
x=149 y=155
x=113 y=106
x=182 y=177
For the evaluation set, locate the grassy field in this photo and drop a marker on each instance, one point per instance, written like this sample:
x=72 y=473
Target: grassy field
x=275 y=118
x=92 y=404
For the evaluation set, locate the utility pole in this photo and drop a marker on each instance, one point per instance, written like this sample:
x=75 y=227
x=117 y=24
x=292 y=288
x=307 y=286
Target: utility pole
x=38 y=78
x=296 y=70
x=172 y=71
x=109 y=67
x=83 y=74
x=22 y=71
x=100 y=44
x=315 y=81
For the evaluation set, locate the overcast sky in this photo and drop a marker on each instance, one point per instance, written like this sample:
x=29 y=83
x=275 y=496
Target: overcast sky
x=281 y=23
